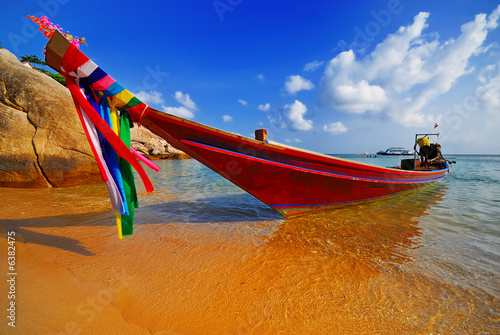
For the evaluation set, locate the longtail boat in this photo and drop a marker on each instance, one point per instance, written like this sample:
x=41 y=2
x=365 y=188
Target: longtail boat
x=290 y=180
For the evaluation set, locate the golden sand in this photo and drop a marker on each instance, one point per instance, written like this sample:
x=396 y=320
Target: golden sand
x=351 y=272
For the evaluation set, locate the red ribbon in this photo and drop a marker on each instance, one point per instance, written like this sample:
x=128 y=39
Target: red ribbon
x=72 y=59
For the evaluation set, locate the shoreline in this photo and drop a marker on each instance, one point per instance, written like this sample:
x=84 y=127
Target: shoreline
x=213 y=260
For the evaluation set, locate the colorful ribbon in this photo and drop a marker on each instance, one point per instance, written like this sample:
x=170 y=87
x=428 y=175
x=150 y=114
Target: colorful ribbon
x=100 y=103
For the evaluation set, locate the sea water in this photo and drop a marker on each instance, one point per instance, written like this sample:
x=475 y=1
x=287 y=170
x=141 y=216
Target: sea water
x=209 y=258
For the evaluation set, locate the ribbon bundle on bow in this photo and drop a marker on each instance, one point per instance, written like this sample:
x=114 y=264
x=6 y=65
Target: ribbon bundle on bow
x=102 y=105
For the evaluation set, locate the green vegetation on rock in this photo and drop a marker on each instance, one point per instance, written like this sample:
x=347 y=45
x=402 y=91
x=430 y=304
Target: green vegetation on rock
x=33 y=59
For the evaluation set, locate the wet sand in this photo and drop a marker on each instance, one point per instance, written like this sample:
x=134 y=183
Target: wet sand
x=357 y=271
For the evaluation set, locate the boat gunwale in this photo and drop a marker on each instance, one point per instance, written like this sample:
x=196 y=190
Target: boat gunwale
x=439 y=173
x=282 y=147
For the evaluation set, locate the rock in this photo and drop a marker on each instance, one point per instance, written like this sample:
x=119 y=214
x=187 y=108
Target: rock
x=158 y=150
x=176 y=153
x=152 y=146
x=155 y=143
x=42 y=142
x=139 y=147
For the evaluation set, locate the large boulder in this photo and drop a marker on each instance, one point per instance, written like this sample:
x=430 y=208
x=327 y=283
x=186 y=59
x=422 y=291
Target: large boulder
x=152 y=146
x=42 y=142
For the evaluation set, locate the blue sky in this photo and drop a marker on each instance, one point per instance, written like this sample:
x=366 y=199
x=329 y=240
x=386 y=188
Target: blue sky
x=328 y=76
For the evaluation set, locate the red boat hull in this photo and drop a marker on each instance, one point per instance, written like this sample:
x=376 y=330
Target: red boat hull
x=289 y=180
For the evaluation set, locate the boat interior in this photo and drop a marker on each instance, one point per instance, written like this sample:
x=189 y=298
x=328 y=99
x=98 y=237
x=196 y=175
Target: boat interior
x=411 y=165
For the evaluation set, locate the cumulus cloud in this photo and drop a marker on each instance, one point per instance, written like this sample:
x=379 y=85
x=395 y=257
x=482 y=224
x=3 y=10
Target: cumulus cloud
x=243 y=102
x=405 y=72
x=294 y=116
x=296 y=83
x=359 y=97
x=185 y=100
x=150 y=98
x=227 y=118
x=291 y=117
x=295 y=140
x=334 y=128
x=265 y=107
x=485 y=73
x=314 y=65
x=186 y=110
x=489 y=93
x=178 y=111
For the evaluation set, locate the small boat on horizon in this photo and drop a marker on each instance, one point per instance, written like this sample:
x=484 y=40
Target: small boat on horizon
x=395 y=151
x=290 y=180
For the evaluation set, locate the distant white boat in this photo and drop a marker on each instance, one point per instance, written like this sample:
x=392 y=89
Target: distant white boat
x=396 y=151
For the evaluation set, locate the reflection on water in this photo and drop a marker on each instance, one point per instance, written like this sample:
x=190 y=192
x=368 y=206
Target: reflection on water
x=210 y=259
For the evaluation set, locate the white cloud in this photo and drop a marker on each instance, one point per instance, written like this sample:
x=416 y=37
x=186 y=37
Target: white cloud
x=294 y=116
x=314 y=65
x=486 y=72
x=186 y=110
x=297 y=83
x=405 y=72
x=185 y=100
x=260 y=77
x=360 y=97
x=493 y=18
x=295 y=140
x=489 y=93
x=243 y=102
x=179 y=111
x=227 y=118
x=150 y=98
x=334 y=128
x=265 y=107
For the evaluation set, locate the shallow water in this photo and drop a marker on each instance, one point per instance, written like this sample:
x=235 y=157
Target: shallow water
x=211 y=259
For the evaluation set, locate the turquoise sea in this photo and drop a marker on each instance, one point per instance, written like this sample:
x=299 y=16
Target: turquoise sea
x=210 y=259
x=455 y=228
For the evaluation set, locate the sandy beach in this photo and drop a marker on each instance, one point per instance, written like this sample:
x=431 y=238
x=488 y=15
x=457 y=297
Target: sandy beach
x=50 y=298
x=261 y=96
x=194 y=270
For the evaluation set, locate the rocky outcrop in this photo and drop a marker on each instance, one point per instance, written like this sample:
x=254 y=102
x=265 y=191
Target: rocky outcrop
x=152 y=146
x=42 y=142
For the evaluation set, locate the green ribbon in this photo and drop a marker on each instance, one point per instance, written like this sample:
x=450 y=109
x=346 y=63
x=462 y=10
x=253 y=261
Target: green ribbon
x=128 y=176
